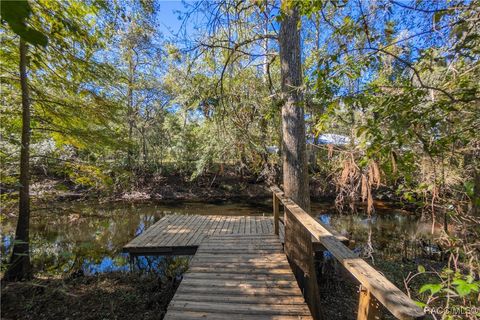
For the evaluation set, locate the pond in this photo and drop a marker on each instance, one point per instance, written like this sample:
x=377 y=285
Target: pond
x=88 y=237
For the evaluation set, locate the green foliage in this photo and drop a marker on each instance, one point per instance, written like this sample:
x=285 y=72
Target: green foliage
x=432 y=288
x=68 y=88
x=16 y=14
x=465 y=287
x=409 y=112
x=87 y=176
x=421 y=269
x=454 y=290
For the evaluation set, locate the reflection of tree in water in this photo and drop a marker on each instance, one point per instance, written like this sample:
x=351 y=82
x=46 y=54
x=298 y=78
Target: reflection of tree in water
x=382 y=236
x=171 y=267
x=88 y=237
x=64 y=241
x=368 y=247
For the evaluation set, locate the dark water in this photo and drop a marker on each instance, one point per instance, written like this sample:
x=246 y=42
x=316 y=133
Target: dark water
x=388 y=234
x=88 y=237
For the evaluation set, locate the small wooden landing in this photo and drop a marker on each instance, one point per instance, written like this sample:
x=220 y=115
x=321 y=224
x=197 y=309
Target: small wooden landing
x=239 y=276
x=182 y=234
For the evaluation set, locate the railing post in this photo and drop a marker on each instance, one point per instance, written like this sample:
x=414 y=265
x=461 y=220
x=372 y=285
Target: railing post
x=276 y=214
x=368 y=306
x=300 y=228
x=300 y=253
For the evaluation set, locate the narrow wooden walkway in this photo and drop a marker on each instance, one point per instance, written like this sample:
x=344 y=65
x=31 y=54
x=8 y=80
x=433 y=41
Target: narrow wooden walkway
x=239 y=276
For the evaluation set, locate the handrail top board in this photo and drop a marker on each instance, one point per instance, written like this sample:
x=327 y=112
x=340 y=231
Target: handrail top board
x=397 y=302
x=281 y=196
x=278 y=192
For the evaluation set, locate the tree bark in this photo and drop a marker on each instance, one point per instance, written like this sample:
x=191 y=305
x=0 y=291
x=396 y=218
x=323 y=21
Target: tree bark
x=265 y=43
x=476 y=194
x=295 y=170
x=20 y=267
x=130 y=112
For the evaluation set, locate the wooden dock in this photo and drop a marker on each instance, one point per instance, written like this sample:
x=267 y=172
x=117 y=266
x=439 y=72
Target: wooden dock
x=239 y=276
x=240 y=269
x=183 y=234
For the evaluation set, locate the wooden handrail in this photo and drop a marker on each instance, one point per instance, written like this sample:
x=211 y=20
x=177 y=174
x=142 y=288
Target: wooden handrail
x=372 y=282
x=279 y=197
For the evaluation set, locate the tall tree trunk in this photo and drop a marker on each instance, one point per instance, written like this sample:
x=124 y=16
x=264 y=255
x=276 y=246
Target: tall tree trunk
x=130 y=108
x=144 y=147
x=295 y=171
x=265 y=43
x=20 y=267
x=316 y=111
x=476 y=194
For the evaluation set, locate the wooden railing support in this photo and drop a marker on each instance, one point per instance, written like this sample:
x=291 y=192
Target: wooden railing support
x=300 y=253
x=368 y=305
x=376 y=288
x=276 y=214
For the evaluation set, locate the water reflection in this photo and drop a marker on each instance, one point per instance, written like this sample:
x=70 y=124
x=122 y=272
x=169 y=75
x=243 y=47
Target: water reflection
x=389 y=234
x=88 y=238
x=172 y=267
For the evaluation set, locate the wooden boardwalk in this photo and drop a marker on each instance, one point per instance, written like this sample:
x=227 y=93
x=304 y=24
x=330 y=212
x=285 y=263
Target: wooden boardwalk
x=239 y=276
x=182 y=234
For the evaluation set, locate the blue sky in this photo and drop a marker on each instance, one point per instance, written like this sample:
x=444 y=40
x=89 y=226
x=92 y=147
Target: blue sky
x=168 y=20
x=168 y=16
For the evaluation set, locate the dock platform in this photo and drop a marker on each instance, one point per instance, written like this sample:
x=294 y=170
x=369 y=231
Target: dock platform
x=183 y=234
x=239 y=269
x=239 y=276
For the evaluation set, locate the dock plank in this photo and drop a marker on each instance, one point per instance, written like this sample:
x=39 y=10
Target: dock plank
x=199 y=233
x=187 y=315
x=166 y=223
